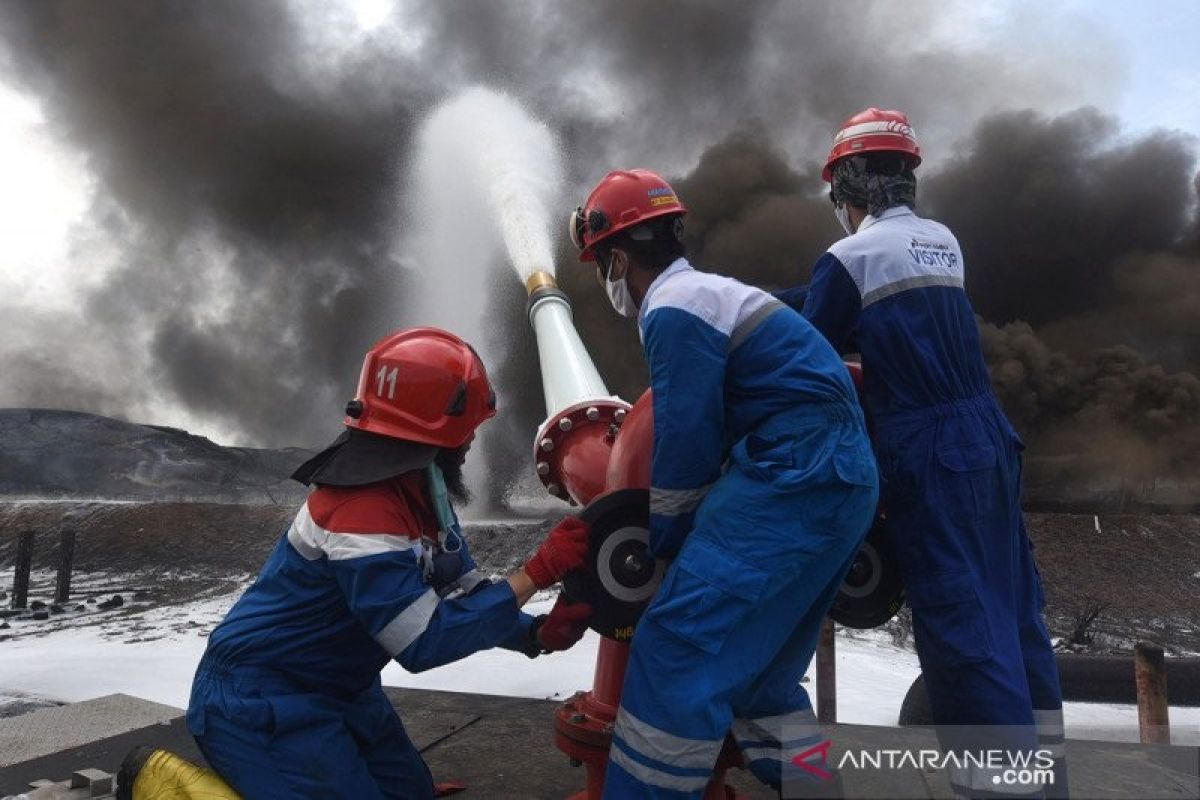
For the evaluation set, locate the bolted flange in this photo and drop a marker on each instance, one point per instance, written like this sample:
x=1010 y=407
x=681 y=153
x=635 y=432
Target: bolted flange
x=551 y=445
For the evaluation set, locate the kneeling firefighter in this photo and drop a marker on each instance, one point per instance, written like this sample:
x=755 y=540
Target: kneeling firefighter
x=287 y=700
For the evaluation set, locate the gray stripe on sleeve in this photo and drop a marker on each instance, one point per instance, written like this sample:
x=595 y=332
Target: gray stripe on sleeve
x=673 y=502
x=409 y=624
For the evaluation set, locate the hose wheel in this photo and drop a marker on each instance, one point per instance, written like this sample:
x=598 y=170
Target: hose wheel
x=873 y=590
x=621 y=575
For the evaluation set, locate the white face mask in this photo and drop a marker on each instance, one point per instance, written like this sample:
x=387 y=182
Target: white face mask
x=621 y=299
x=618 y=294
x=842 y=212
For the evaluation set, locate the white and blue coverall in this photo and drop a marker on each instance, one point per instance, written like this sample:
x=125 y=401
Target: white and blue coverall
x=759 y=546
x=950 y=469
x=287 y=699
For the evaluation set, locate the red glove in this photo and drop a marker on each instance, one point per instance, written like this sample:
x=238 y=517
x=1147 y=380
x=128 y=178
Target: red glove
x=564 y=626
x=565 y=549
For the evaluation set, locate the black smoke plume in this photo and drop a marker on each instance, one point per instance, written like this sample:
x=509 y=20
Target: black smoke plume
x=250 y=177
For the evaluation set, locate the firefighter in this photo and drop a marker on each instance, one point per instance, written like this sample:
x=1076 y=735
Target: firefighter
x=950 y=462
x=757 y=548
x=287 y=700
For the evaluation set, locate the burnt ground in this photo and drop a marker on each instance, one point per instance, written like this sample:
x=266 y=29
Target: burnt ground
x=1140 y=572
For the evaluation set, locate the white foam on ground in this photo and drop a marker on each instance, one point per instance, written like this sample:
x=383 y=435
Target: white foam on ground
x=79 y=664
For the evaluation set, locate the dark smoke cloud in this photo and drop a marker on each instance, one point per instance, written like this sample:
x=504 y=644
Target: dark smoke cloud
x=1105 y=427
x=251 y=173
x=1080 y=249
x=1046 y=209
x=230 y=179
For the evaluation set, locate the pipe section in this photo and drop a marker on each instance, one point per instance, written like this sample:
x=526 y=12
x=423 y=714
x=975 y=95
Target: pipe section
x=568 y=375
x=572 y=446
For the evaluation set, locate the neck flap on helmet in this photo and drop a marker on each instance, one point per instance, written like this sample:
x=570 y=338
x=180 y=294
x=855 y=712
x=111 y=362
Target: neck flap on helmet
x=876 y=182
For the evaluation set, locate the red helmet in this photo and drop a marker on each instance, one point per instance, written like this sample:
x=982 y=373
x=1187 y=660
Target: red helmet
x=873 y=130
x=621 y=200
x=423 y=385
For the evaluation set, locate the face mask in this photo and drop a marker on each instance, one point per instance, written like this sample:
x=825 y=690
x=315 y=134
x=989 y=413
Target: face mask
x=842 y=212
x=621 y=299
x=618 y=294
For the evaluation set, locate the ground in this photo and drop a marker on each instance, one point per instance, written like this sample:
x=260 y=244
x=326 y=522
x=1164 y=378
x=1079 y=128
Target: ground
x=1143 y=571
x=179 y=566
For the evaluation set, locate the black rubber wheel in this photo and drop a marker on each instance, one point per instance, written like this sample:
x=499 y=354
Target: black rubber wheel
x=622 y=576
x=915 y=709
x=873 y=591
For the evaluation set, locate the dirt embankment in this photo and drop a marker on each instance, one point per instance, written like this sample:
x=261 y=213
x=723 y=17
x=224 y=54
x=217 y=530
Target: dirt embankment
x=1140 y=572
x=219 y=539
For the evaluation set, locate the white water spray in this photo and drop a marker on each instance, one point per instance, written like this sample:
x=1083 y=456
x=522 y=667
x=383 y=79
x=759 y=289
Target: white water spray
x=484 y=163
x=485 y=188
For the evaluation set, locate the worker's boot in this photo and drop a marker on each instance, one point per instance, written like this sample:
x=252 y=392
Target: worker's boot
x=148 y=773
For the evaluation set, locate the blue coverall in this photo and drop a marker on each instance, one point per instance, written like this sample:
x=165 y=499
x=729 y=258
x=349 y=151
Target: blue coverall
x=950 y=469
x=287 y=699
x=759 y=548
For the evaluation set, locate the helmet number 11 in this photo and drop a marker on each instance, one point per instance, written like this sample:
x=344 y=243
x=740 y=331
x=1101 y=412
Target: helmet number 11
x=388 y=377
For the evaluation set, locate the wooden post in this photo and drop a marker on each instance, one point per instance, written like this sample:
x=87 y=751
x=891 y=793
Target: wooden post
x=1150 y=675
x=826 y=676
x=21 y=573
x=66 y=554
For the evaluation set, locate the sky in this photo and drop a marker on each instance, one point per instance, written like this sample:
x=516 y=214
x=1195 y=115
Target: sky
x=1162 y=85
x=209 y=212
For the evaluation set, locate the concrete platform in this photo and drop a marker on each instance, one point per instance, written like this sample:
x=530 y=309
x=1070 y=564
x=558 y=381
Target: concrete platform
x=49 y=730
x=502 y=747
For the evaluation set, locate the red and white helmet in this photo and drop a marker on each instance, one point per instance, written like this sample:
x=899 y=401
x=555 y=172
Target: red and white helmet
x=873 y=130
x=422 y=385
x=621 y=200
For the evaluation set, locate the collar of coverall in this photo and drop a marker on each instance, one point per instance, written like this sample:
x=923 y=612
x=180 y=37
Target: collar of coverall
x=358 y=458
x=894 y=211
x=678 y=265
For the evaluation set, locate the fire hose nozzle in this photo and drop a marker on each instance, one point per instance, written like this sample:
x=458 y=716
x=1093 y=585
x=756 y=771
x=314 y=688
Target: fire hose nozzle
x=540 y=280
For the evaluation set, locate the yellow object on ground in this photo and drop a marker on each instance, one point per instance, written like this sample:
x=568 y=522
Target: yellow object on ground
x=154 y=774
